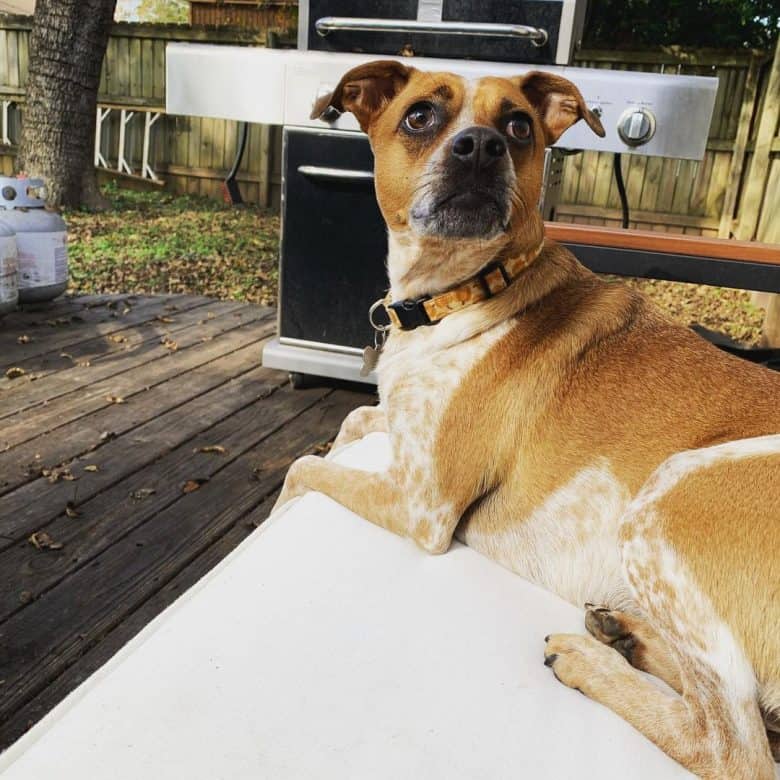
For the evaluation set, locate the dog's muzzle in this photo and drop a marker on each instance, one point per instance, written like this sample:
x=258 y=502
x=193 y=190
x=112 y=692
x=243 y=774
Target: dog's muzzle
x=472 y=196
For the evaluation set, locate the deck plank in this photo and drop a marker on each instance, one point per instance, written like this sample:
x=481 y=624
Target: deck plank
x=89 y=662
x=58 y=375
x=95 y=397
x=111 y=514
x=35 y=504
x=65 y=612
x=50 y=333
x=43 y=639
x=89 y=432
x=47 y=374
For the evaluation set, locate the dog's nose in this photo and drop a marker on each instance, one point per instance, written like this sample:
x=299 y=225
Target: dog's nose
x=478 y=146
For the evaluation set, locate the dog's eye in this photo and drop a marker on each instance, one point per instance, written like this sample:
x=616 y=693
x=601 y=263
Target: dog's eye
x=519 y=128
x=419 y=117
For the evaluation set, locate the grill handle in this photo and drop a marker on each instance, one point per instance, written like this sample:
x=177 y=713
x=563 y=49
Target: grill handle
x=342 y=174
x=329 y=24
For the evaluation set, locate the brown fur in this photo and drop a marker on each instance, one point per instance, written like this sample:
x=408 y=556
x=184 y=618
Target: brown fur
x=504 y=405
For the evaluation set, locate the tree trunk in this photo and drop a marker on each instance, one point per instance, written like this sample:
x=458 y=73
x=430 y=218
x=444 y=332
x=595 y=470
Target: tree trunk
x=67 y=46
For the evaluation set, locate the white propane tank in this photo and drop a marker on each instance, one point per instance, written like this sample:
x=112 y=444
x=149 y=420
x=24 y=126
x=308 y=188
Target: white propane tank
x=41 y=240
x=9 y=286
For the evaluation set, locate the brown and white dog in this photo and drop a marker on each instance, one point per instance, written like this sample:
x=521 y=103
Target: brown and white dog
x=564 y=427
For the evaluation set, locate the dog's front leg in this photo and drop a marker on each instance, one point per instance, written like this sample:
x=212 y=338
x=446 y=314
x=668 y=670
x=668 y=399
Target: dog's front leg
x=383 y=498
x=358 y=423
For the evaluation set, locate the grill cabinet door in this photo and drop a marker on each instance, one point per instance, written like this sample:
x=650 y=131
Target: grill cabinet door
x=334 y=240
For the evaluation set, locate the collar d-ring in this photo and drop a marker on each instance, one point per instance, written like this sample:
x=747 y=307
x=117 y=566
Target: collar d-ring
x=374 y=306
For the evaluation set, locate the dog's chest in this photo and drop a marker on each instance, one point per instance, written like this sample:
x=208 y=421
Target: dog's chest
x=566 y=542
x=418 y=377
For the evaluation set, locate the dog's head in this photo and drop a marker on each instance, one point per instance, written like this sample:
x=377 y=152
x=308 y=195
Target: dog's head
x=457 y=159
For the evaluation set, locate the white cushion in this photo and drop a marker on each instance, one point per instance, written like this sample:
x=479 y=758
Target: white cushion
x=325 y=647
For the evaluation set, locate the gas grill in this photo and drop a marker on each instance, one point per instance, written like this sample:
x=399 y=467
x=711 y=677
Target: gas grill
x=333 y=244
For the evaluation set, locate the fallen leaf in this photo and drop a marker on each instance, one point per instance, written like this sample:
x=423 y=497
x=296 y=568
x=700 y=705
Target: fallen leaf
x=92 y=467
x=84 y=364
x=71 y=511
x=15 y=372
x=217 y=449
x=126 y=310
x=210 y=315
x=102 y=439
x=142 y=493
x=42 y=541
x=169 y=343
x=58 y=473
x=33 y=470
x=66 y=355
x=191 y=485
x=117 y=338
x=24 y=339
x=115 y=399
x=166 y=320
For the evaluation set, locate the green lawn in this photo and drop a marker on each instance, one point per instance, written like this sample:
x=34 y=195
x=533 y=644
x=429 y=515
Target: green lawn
x=156 y=242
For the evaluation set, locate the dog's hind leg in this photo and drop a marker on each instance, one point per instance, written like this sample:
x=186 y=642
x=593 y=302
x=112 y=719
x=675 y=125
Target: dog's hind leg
x=707 y=730
x=715 y=727
x=636 y=640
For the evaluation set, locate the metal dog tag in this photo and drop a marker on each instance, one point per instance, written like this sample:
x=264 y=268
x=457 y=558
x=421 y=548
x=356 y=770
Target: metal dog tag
x=371 y=354
x=370 y=359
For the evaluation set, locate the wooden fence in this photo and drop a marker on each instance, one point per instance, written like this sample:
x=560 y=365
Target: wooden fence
x=734 y=190
x=190 y=154
x=278 y=15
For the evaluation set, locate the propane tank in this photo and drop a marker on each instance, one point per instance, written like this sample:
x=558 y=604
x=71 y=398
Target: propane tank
x=41 y=236
x=9 y=287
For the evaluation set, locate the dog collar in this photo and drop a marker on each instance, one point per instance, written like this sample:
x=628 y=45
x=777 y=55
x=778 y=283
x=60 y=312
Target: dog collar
x=431 y=309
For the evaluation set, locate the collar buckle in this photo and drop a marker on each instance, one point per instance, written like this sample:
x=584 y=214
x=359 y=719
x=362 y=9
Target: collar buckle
x=410 y=313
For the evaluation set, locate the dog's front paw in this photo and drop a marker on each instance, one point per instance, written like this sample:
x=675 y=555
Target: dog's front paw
x=295 y=481
x=580 y=662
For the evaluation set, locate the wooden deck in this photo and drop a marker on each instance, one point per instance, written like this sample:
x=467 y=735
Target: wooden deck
x=141 y=444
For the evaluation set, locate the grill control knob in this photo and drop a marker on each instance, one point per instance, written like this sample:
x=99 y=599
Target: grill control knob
x=636 y=126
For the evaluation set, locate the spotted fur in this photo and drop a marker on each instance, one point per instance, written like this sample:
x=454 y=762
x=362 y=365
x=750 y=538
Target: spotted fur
x=568 y=430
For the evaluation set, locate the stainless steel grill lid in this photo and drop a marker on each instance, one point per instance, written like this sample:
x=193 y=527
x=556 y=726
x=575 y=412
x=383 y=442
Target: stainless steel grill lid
x=531 y=31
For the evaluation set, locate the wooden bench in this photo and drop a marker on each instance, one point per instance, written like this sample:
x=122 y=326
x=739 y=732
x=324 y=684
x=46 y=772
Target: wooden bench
x=745 y=265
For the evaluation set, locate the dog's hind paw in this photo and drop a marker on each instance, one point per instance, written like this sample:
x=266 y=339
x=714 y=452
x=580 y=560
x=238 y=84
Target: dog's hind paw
x=611 y=627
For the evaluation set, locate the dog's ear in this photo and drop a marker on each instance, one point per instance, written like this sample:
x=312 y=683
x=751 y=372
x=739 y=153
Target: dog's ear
x=365 y=91
x=558 y=102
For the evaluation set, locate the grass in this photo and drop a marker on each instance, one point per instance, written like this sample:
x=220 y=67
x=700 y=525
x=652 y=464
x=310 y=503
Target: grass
x=717 y=308
x=152 y=242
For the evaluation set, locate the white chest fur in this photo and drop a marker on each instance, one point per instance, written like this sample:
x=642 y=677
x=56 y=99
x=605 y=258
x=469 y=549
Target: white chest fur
x=568 y=544
x=418 y=374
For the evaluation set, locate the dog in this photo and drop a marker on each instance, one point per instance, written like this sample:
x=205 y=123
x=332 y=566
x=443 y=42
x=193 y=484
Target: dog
x=561 y=425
